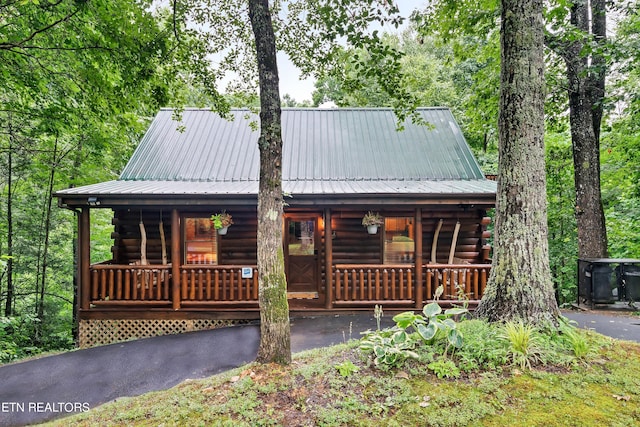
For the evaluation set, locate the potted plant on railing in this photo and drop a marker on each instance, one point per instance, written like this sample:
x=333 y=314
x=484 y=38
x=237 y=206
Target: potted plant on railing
x=221 y=222
x=372 y=221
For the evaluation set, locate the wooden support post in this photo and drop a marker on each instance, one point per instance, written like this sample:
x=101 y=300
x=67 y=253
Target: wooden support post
x=84 y=237
x=418 y=259
x=328 y=259
x=175 y=259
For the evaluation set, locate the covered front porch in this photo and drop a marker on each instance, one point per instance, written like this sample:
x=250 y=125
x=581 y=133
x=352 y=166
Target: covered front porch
x=176 y=281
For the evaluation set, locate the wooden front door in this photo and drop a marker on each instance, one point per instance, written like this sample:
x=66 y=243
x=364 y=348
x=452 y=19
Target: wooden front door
x=301 y=254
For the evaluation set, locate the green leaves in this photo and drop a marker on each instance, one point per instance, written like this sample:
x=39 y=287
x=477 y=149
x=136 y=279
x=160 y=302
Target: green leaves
x=431 y=310
x=427 y=332
x=391 y=347
x=78 y=80
x=405 y=319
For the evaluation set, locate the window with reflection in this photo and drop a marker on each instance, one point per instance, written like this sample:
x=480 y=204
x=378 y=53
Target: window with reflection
x=301 y=237
x=399 y=240
x=201 y=245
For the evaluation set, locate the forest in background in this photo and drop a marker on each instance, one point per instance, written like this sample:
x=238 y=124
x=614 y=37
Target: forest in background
x=81 y=83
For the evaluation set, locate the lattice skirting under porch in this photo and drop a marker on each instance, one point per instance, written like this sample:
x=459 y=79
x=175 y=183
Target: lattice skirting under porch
x=95 y=332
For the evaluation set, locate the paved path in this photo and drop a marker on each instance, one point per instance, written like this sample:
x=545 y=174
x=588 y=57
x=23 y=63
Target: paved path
x=613 y=324
x=51 y=387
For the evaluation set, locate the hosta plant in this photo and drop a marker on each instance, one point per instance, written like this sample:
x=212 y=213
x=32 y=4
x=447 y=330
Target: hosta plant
x=392 y=346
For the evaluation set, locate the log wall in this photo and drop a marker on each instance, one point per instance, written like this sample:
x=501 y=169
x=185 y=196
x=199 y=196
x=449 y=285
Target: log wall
x=351 y=242
x=353 y=245
x=126 y=235
x=472 y=235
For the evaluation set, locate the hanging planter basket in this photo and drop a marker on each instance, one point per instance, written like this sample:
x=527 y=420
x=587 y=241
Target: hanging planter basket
x=221 y=222
x=372 y=221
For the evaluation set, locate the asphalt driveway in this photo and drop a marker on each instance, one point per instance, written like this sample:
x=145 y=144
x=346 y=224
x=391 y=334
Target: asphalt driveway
x=616 y=324
x=51 y=387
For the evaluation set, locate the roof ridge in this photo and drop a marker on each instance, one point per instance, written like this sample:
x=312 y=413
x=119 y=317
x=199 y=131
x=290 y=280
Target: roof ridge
x=307 y=109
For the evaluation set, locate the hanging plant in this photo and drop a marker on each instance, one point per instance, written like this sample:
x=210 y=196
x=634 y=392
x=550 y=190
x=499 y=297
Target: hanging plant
x=372 y=218
x=372 y=221
x=221 y=221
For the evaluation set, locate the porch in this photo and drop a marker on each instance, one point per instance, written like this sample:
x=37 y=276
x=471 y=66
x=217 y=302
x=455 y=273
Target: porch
x=138 y=288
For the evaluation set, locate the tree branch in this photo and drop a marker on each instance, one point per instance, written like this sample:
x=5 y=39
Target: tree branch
x=8 y=45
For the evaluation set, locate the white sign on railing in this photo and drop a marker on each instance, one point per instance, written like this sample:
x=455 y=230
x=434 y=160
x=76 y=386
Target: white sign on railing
x=247 y=273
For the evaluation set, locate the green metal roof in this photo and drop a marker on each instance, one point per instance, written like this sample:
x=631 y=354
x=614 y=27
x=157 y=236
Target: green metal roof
x=330 y=152
x=319 y=145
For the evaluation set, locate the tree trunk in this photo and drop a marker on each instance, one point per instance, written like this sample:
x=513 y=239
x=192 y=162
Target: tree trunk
x=77 y=161
x=520 y=285
x=598 y=62
x=275 y=340
x=8 y=304
x=586 y=91
x=45 y=250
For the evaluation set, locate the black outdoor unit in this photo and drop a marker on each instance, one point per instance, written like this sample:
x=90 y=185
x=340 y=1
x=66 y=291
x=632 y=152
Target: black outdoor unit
x=602 y=283
x=598 y=284
x=632 y=282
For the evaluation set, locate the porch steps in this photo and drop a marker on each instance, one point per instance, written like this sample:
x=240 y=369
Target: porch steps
x=302 y=295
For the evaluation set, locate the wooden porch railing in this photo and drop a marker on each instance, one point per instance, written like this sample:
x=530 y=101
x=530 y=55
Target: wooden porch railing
x=373 y=284
x=151 y=284
x=219 y=285
x=130 y=283
x=458 y=280
x=378 y=284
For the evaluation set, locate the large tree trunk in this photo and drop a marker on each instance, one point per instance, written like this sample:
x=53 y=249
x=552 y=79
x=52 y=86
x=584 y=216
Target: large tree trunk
x=520 y=285
x=598 y=62
x=586 y=93
x=275 y=340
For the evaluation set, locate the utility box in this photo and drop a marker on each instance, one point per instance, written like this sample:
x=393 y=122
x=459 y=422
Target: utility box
x=631 y=279
x=607 y=280
x=602 y=283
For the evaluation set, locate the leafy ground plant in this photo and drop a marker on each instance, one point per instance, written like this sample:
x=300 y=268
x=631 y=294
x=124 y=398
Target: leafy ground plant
x=483 y=350
x=523 y=343
x=391 y=347
x=444 y=368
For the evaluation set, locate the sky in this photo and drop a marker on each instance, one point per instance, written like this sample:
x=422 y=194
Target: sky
x=300 y=90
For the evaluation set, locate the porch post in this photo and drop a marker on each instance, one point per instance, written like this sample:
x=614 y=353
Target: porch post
x=175 y=259
x=84 y=237
x=328 y=259
x=418 y=259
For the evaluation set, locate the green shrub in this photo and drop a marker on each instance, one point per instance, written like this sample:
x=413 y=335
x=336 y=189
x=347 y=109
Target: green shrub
x=444 y=368
x=390 y=347
x=482 y=349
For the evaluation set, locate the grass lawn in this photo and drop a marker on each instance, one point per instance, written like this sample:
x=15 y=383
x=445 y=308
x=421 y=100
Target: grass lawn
x=485 y=385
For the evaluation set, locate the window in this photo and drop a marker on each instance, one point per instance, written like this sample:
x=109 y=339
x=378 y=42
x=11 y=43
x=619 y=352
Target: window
x=200 y=245
x=399 y=244
x=301 y=237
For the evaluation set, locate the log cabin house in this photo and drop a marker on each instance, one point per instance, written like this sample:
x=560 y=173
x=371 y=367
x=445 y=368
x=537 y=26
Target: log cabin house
x=172 y=272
